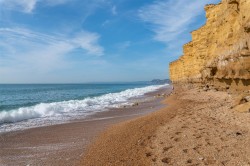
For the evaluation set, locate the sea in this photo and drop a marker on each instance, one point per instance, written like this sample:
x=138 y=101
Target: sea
x=25 y=106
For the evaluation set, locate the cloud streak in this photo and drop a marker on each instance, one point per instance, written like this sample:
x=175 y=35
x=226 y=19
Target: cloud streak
x=27 y=6
x=169 y=19
x=113 y=10
x=43 y=52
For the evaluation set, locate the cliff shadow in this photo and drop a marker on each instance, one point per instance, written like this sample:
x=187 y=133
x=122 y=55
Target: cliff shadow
x=226 y=81
x=246 y=82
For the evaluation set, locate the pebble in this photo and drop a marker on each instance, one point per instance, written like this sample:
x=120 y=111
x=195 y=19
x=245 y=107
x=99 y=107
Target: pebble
x=201 y=158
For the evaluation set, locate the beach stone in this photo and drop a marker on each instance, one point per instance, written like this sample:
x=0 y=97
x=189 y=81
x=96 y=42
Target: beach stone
x=243 y=107
x=135 y=104
x=166 y=160
x=247 y=98
x=201 y=158
x=158 y=94
x=205 y=89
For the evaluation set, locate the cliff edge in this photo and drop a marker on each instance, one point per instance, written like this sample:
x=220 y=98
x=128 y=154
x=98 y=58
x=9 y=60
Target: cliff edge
x=219 y=53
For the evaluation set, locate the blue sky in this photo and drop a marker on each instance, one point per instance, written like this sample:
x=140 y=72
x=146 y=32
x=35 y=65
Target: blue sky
x=77 y=41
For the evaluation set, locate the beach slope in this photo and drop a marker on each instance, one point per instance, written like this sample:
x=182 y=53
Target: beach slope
x=195 y=128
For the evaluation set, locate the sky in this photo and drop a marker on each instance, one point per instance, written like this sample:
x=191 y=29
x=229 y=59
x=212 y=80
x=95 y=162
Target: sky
x=79 y=41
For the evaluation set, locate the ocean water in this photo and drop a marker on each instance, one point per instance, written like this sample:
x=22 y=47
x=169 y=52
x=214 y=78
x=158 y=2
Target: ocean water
x=30 y=105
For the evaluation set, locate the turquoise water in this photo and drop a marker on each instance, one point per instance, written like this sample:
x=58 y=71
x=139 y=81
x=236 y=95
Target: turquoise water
x=36 y=104
x=14 y=96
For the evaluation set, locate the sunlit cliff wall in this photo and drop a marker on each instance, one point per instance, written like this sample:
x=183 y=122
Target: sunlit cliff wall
x=219 y=52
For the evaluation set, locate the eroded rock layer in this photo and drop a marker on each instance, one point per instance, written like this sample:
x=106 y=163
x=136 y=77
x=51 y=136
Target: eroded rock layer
x=219 y=52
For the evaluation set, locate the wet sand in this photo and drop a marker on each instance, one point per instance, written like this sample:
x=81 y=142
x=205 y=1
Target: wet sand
x=196 y=127
x=65 y=144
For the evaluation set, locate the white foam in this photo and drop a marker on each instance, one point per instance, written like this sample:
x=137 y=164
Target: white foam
x=47 y=113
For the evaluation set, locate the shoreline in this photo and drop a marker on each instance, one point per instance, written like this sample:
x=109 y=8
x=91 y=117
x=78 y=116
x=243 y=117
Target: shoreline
x=197 y=127
x=60 y=112
x=44 y=145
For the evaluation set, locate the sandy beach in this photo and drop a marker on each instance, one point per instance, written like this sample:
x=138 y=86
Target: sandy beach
x=124 y=83
x=65 y=144
x=197 y=127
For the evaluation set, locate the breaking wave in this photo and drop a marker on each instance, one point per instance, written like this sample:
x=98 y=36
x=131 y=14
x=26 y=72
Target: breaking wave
x=74 y=108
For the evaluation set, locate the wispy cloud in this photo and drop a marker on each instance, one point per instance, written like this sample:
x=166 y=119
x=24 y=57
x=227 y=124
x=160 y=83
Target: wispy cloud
x=43 y=52
x=27 y=6
x=124 y=45
x=56 y=2
x=169 y=19
x=113 y=10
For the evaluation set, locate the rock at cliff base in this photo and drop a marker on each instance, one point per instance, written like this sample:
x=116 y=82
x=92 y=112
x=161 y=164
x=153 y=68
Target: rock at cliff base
x=243 y=107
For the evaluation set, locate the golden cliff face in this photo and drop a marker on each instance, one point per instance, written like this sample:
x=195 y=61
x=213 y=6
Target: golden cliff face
x=219 y=52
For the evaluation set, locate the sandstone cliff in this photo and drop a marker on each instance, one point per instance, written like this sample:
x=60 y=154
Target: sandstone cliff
x=219 y=53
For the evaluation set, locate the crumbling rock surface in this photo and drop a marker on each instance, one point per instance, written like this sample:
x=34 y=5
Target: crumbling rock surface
x=219 y=53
